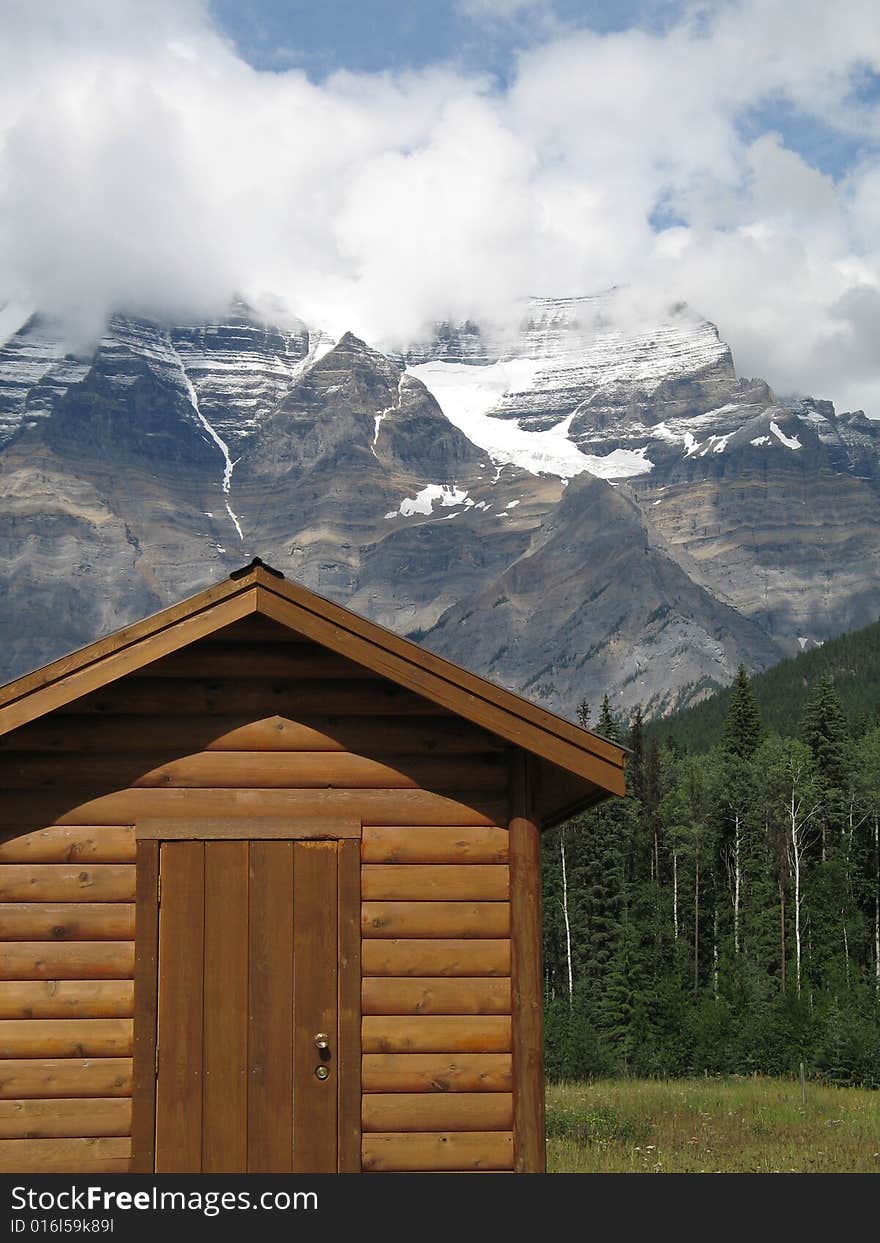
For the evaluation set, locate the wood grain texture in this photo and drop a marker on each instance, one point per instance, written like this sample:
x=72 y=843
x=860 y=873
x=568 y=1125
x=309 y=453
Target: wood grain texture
x=93 y=667
x=70 y=960
x=183 y=733
x=433 y=844
x=442 y=1150
x=146 y=985
x=439 y=957
x=60 y=921
x=78 y=1038
x=315 y=1006
x=349 y=1023
x=270 y=1038
x=225 y=1023
x=436 y=1034
x=60 y=1119
x=440 y=1111
x=206 y=770
x=519 y=722
x=60 y=844
x=526 y=972
x=58 y=882
x=146 y=696
x=388 y=806
x=66 y=999
x=309 y=661
x=402 y=882
x=437 y=1072
x=252 y=629
x=65 y=1156
x=427 y=995
x=452 y=920
x=262 y=828
x=181 y=951
x=65 y=1077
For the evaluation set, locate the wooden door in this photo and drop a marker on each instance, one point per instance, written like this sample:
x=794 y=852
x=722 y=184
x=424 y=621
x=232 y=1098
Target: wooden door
x=248 y=970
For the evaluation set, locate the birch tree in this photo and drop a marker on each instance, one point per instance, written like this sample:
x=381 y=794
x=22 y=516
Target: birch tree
x=795 y=800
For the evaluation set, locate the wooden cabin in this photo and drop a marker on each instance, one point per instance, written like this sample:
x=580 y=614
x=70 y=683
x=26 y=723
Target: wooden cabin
x=270 y=897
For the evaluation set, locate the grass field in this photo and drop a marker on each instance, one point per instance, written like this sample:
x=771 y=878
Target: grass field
x=694 y=1126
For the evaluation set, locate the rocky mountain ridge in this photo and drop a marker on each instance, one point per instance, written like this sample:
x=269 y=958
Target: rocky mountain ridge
x=568 y=510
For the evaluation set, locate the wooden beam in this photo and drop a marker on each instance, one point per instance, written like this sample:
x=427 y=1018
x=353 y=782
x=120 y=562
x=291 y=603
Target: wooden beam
x=439 y=1150
x=183 y=733
x=440 y=1111
x=50 y=1078
x=349 y=1021
x=62 y=1119
x=437 y=882
x=505 y=714
x=66 y=960
x=435 y=919
x=369 y=806
x=146 y=983
x=427 y=995
x=438 y=956
x=253 y=828
x=66 y=999
x=76 y=675
x=65 y=1156
x=43 y=1038
x=436 y=1034
x=526 y=976
x=61 y=844
x=437 y=1072
x=305 y=770
x=63 y=921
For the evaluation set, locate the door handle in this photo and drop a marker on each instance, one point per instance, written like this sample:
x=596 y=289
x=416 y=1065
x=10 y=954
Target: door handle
x=322 y=1042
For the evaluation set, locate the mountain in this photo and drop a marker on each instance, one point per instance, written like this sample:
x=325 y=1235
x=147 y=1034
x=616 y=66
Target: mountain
x=852 y=661
x=567 y=507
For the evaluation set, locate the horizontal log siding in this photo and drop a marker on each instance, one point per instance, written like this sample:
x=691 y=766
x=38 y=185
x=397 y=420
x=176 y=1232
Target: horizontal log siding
x=436 y=1028
x=66 y=998
x=251 y=722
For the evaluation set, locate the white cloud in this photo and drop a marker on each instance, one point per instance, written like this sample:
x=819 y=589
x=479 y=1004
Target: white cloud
x=144 y=164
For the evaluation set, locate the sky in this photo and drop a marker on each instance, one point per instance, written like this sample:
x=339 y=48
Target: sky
x=378 y=166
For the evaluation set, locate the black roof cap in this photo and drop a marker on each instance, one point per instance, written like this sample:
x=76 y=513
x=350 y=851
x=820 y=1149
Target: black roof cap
x=256 y=564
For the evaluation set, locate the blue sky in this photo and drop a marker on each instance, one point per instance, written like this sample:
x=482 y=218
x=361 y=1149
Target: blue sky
x=378 y=166
x=327 y=35
x=487 y=36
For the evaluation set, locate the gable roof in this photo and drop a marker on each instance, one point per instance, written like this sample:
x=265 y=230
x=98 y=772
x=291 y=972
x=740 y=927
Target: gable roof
x=258 y=589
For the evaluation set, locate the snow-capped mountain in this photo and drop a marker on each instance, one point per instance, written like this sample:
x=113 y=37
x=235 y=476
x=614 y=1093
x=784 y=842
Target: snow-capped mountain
x=568 y=508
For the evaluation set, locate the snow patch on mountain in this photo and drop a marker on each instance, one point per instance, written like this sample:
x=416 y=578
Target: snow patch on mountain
x=433 y=493
x=465 y=393
x=790 y=442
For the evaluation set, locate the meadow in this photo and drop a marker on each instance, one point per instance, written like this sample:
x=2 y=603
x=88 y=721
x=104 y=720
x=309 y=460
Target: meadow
x=730 y=1125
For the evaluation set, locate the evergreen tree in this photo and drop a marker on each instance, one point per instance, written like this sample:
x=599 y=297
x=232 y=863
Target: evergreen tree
x=742 y=727
x=607 y=724
x=725 y=915
x=823 y=729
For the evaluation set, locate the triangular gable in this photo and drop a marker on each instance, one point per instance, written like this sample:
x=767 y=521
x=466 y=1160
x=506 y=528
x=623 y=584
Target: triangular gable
x=260 y=590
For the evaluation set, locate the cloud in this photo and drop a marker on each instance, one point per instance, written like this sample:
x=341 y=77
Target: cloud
x=145 y=165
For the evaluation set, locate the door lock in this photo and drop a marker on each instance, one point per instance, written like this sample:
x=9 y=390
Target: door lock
x=321 y=1072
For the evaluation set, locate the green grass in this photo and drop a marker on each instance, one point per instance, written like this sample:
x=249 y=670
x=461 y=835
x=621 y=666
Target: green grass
x=709 y=1126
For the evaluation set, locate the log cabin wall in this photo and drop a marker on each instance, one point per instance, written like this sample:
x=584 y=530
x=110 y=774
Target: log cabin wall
x=252 y=722
x=437 y=1061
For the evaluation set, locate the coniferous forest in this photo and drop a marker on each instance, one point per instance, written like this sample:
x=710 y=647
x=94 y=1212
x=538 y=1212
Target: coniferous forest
x=723 y=918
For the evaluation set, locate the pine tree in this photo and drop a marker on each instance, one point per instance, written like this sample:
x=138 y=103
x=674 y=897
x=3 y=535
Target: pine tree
x=742 y=728
x=824 y=730
x=607 y=724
